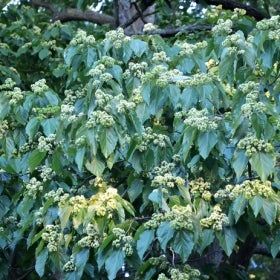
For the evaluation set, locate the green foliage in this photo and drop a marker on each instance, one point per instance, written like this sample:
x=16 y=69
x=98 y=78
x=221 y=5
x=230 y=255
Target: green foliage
x=134 y=155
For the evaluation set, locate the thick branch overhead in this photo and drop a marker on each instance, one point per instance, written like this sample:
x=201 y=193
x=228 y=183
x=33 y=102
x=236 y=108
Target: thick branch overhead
x=76 y=14
x=231 y=5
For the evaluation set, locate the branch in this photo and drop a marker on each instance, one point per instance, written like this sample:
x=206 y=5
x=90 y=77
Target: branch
x=76 y=14
x=169 y=32
x=231 y=5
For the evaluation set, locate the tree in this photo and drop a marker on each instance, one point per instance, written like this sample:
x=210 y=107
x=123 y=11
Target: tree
x=138 y=141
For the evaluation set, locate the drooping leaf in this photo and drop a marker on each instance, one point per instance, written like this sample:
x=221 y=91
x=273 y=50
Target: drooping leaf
x=41 y=262
x=114 y=263
x=183 y=244
x=144 y=242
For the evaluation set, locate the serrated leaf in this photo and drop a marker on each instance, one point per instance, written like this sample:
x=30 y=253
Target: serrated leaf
x=144 y=242
x=263 y=164
x=41 y=262
x=96 y=166
x=164 y=234
x=108 y=141
x=138 y=46
x=35 y=159
x=238 y=206
x=239 y=162
x=64 y=214
x=227 y=239
x=275 y=246
x=183 y=244
x=114 y=263
x=268 y=211
x=256 y=204
x=206 y=141
x=79 y=157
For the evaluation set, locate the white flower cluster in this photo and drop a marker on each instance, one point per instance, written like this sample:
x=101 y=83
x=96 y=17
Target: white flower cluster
x=149 y=137
x=100 y=118
x=160 y=261
x=249 y=188
x=66 y=111
x=125 y=106
x=78 y=203
x=117 y=38
x=15 y=94
x=272 y=23
x=47 y=144
x=70 y=265
x=188 y=273
x=149 y=27
x=122 y=241
x=223 y=27
x=252 y=145
x=1 y=229
x=161 y=75
x=104 y=203
x=81 y=141
x=198 y=79
x=40 y=87
x=160 y=57
x=235 y=43
x=53 y=237
x=136 y=95
x=92 y=240
x=33 y=187
x=165 y=178
x=82 y=39
x=187 y=49
x=39 y=216
x=57 y=196
x=216 y=220
x=4 y=128
x=135 y=70
x=102 y=98
x=200 y=119
x=200 y=188
x=181 y=217
x=46 y=173
x=108 y=61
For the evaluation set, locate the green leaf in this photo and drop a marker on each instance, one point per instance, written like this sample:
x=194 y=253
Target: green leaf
x=64 y=215
x=114 y=263
x=275 y=246
x=205 y=239
x=32 y=127
x=81 y=259
x=108 y=141
x=206 y=141
x=268 y=211
x=44 y=53
x=49 y=125
x=183 y=244
x=239 y=162
x=69 y=54
x=263 y=164
x=138 y=46
x=256 y=204
x=227 y=239
x=164 y=234
x=35 y=159
x=41 y=262
x=79 y=157
x=143 y=243
x=91 y=56
x=238 y=206
x=96 y=166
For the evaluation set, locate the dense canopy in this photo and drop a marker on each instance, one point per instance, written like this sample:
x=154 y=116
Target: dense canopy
x=139 y=139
